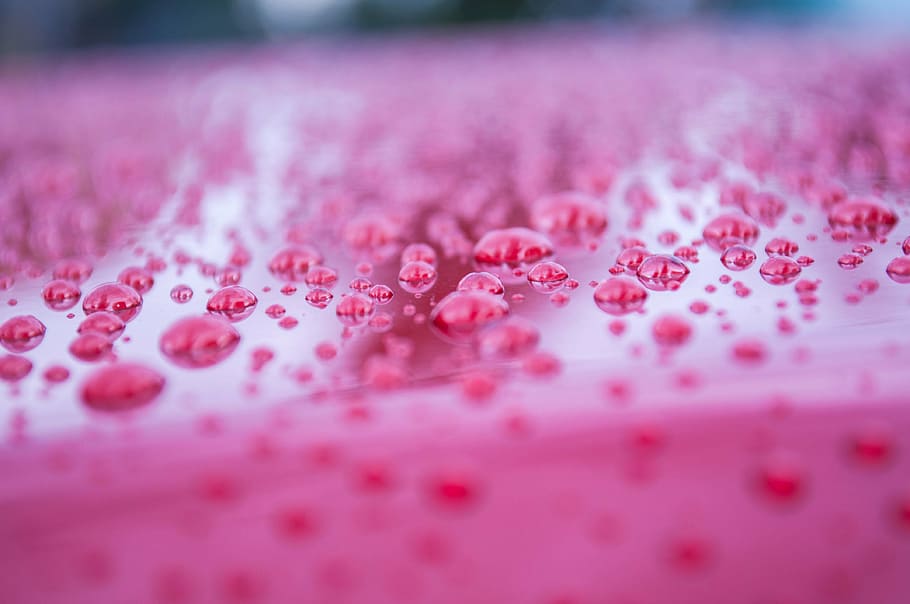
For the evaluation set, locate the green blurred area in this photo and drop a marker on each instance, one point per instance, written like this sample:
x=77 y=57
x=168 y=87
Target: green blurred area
x=49 y=25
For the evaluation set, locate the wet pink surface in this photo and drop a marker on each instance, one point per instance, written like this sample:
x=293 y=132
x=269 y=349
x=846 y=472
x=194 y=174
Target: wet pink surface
x=556 y=316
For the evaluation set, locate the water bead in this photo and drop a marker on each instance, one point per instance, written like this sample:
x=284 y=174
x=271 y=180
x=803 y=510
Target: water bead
x=738 y=257
x=234 y=303
x=730 y=229
x=121 y=387
x=417 y=277
x=197 y=342
x=120 y=299
x=21 y=333
x=461 y=315
x=780 y=270
x=620 y=296
x=481 y=281
x=662 y=273
x=60 y=294
x=547 y=277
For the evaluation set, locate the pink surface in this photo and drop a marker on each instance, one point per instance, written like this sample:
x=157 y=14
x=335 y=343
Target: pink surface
x=691 y=389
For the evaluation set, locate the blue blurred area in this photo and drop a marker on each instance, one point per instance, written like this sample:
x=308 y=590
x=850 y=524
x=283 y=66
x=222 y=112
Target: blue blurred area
x=53 y=25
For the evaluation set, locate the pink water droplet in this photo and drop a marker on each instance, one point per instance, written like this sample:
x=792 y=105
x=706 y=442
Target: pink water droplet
x=781 y=478
x=461 y=315
x=56 y=374
x=196 y=342
x=234 y=303
x=620 y=296
x=631 y=258
x=354 y=309
x=381 y=294
x=730 y=229
x=862 y=219
x=571 y=219
x=502 y=251
x=319 y=297
x=91 y=346
x=120 y=299
x=181 y=294
x=849 y=261
x=780 y=270
x=899 y=269
x=689 y=253
x=60 y=294
x=121 y=387
x=481 y=281
x=418 y=252
x=547 y=277
x=671 y=330
x=360 y=284
x=21 y=333
x=872 y=445
x=275 y=311
x=417 y=277
x=103 y=322
x=749 y=351
x=509 y=339
x=738 y=257
x=766 y=208
x=14 y=368
x=453 y=488
x=293 y=263
x=662 y=273
x=905 y=246
x=137 y=277
x=321 y=276
x=76 y=271
x=228 y=276
x=781 y=247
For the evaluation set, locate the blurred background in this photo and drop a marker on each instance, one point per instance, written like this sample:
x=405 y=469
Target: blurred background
x=30 y=26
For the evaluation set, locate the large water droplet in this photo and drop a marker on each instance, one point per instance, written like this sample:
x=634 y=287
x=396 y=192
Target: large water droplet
x=196 y=342
x=121 y=387
x=461 y=315
x=21 y=333
x=120 y=299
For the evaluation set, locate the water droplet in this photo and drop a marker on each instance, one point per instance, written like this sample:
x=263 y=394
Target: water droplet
x=662 y=273
x=571 y=219
x=90 y=347
x=502 y=251
x=781 y=478
x=461 y=315
x=321 y=276
x=781 y=247
x=671 y=330
x=121 y=387
x=417 y=277
x=730 y=229
x=738 y=257
x=780 y=270
x=21 y=333
x=749 y=351
x=103 y=322
x=137 y=277
x=181 y=294
x=76 y=271
x=862 y=219
x=195 y=342
x=14 y=368
x=319 y=297
x=234 y=303
x=481 y=281
x=56 y=374
x=120 y=299
x=620 y=296
x=60 y=294
x=354 y=309
x=849 y=262
x=899 y=269
x=293 y=263
x=632 y=257
x=418 y=252
x=381 y=294
x=547 y=277
x=509 y=339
